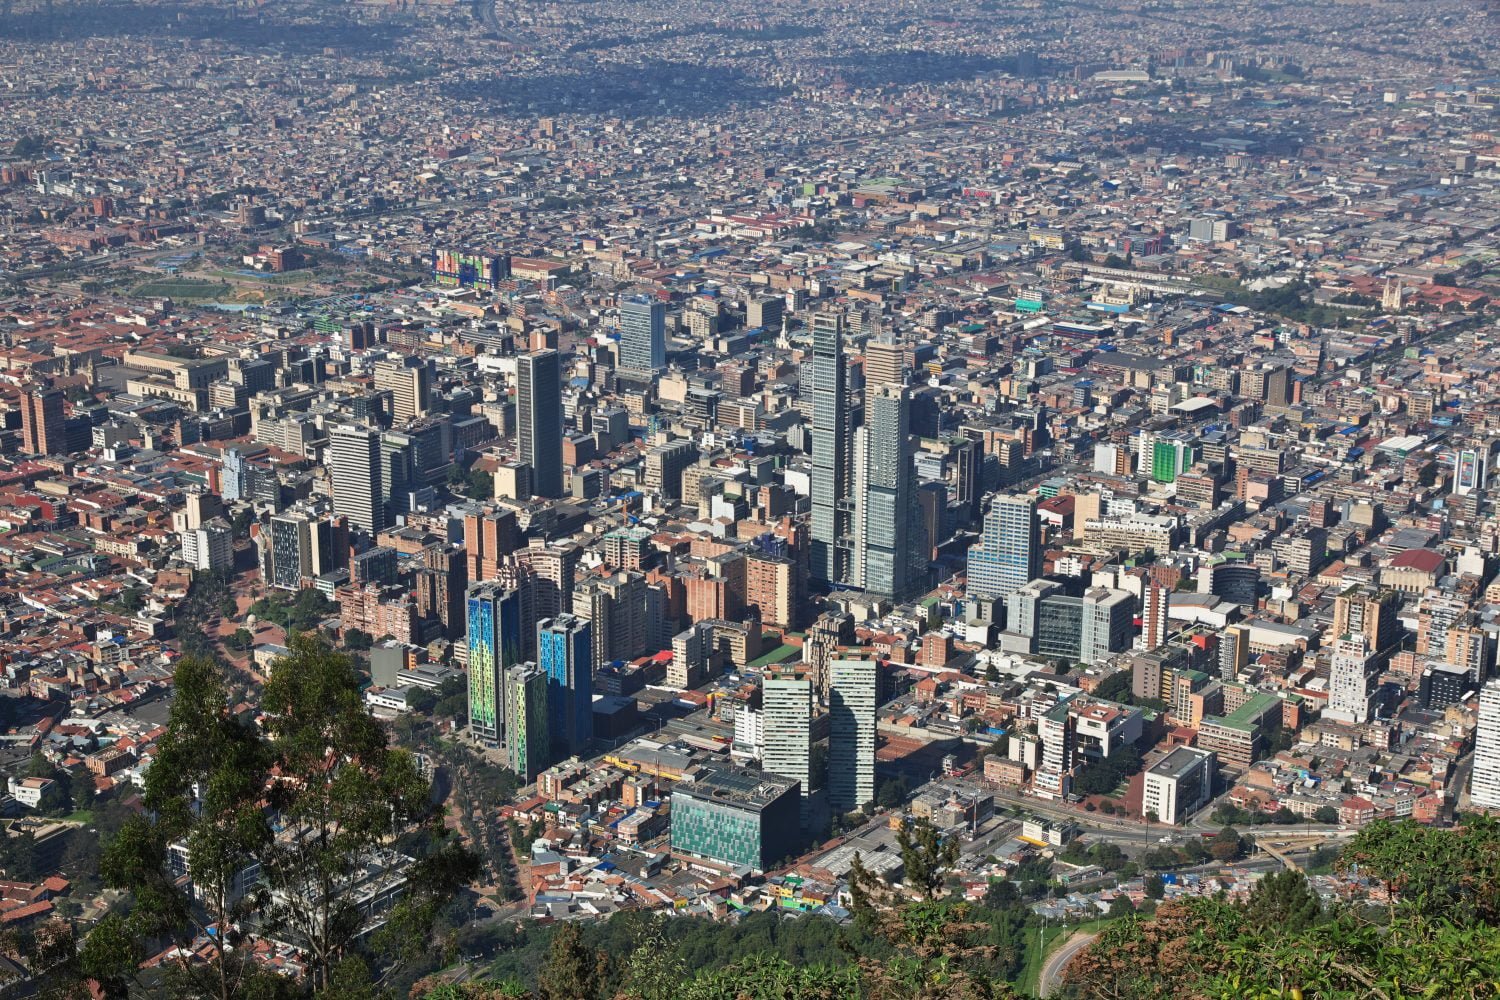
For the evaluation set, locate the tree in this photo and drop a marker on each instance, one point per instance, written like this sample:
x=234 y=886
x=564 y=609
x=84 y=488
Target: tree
x=1284 y=901
x=892 y=792
x=1121 y=906
x=57 y=798
x=1227 y=845
x=481 y=484
x=573 y=971
x=357 y=639
x=1325 y=814
x=203 y=797
x=925 y=856
x=342 y=794
x=991 y=673
x=1001 y=894
x=242 y=639
x=1449 y=874
x=1156 y=887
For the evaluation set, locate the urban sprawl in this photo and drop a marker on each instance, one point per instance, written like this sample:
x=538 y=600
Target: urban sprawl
x=727 y=434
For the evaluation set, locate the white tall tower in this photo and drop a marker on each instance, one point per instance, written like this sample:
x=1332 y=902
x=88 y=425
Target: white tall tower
x=1350 y=681
x=853 y=698
x=787 y=703
x=1484 y=784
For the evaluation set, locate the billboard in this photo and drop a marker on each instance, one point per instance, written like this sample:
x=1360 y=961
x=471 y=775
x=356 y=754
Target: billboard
x=469 y=270
x=1469 y=470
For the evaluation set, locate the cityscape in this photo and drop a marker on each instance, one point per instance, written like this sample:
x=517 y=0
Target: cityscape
x=645 y=501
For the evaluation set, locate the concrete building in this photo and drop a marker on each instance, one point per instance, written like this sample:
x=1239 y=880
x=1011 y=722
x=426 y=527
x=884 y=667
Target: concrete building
x=1178 y=785
x=1008 y=554
x=643 y=334
x=354 y=472
x=787 y=708
x=1484 y=783
x=853 y=700
x=539 y=419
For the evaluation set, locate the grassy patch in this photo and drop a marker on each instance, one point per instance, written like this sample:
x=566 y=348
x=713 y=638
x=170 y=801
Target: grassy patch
x=1043 y=943
x=778 y=655
x=182 y=288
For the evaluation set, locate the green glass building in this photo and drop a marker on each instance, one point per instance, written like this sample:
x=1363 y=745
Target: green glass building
x=737 y=817
x=528 y=745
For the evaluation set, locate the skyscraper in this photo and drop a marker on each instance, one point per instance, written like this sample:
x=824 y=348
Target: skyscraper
x=489 y=536
x=291 y=550
x=1154 y=609
x=528 y=746
x=615 y=606
x=494 y=637
x=43 y=430
x=398 y=474
x=1008 y=554
x=853 y=699
x=885 y=362
x=539 y=419
x=354 y=471
x=889 y=549
x=787 y=702
x=409 y=382
x=1484 y=784
x=832 y=505
x=1351 y=681
x=643 y=334
x=564 y=652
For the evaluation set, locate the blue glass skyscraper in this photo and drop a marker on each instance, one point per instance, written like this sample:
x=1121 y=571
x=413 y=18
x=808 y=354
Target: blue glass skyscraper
x=564 y=652
x=494 y=636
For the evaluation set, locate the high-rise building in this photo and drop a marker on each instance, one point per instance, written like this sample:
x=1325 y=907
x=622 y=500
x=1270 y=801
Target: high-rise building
x=489 y=536
x=1470 y=469
x=554 y=568
x=885 y=362
x=398 y=474
x=494 y=639
x=1484 y=783
x=354 y=472
x=539 y=419
x=643 y=334
x=1351 y=687
x=564 y=652
x=889 y=552
x=528 y=746
x=442 y=579
x=409 y=381
x=615 y=605
x=1008 y=554
x=1154 y=609
x=853 y=699
x=291 y=550
x=43 y=427
x=1374 y=615
x=210 y=547
x=664 y=466
x=832 y=452
x=967 y=459
x=787 y=704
